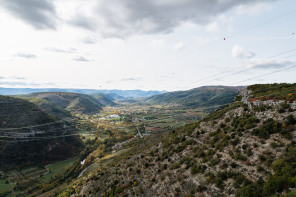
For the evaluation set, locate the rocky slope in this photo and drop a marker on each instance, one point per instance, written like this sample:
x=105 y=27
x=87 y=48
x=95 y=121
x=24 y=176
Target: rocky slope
x=243 y=149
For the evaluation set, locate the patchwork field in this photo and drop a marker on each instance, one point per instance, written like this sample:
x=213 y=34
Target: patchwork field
x=56 y=168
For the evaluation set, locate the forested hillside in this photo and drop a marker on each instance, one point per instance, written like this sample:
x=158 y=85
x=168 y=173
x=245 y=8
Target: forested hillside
x=198 y=97
x=29 y=135
x=70 y=101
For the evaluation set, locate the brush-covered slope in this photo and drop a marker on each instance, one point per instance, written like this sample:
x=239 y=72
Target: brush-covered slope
x=48 y=107
x=29 y=135
x=103 y=99
x=70 y=101
x=198 y=97
x=15 y=112
x=246 y=148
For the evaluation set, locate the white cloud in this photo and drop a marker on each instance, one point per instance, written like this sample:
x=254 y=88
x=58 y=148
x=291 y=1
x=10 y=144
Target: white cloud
x=202 y=41
x=157 y=44
x=252 y=9
x=213 y=27
x=240 y=53
x=179 y=46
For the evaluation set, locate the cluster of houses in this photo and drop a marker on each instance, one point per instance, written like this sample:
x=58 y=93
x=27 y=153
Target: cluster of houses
x=110 y=117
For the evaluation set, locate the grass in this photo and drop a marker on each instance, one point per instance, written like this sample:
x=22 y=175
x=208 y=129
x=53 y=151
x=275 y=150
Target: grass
x=57 y=168
x=5 y=187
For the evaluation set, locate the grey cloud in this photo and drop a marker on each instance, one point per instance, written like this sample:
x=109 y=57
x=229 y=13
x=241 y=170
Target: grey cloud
x=83 y=22
x=38 y=13
x=124 y=79
x=274 y=64
x=81 y=59
x=26 y=55
x=110 y=81
x=129 y=79
x=52 y=49
x=25 y=83
x=16 y=83
x=89 y=40
x=16 y=77
x=122 y=18
x=12 y=77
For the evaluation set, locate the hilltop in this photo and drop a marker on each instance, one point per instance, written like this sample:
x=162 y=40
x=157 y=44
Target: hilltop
x=197 y=97
x=246 y=148
x=73 y=102
x=103 y=99
x=48 y=107
x=15 y=112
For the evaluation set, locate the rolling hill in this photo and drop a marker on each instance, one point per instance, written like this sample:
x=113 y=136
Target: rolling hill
x=103 y=99
x=15 y=112
x=70 y=101
x=48 y=107
x=28 y=135
x=198 y=97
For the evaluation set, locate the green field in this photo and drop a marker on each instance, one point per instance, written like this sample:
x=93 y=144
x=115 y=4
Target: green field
x=57 y=168
x=5 y=187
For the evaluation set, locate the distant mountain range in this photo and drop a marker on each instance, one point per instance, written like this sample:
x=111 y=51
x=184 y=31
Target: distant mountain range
x=197 y=97
x=113 y=94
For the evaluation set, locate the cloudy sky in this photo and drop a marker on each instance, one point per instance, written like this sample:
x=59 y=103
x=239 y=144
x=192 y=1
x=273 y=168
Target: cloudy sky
x=146 y=44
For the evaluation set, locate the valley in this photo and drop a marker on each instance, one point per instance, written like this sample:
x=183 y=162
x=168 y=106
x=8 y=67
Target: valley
x=139 y=148
x=152 y=98
x=82 y=134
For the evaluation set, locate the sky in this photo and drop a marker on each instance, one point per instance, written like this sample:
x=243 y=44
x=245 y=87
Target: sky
x=146 y=44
